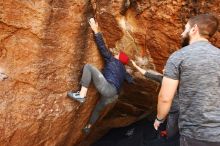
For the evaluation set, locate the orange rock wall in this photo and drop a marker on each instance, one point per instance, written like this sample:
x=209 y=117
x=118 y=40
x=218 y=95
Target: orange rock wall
x=44 y=45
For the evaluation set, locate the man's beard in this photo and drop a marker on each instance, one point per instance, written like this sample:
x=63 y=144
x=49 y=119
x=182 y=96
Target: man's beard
x=185 y=40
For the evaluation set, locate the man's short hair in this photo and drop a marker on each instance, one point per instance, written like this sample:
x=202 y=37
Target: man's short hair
x=207 y=24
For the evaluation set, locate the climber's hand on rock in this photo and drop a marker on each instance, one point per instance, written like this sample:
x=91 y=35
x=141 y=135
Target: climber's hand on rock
x=94 y=25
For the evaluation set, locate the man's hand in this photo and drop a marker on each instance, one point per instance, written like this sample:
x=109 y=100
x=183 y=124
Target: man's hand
x=94 y=25
x=156 y=124
x=138 y=68
x=134 y=64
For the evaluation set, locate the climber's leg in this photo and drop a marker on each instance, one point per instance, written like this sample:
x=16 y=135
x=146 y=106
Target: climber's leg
x=89 y=72
x=100 y=106
x=108 y=94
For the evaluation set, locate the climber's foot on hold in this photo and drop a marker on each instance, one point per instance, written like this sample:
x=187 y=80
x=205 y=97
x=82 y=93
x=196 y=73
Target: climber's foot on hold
x=87 y=129
x=76 y=96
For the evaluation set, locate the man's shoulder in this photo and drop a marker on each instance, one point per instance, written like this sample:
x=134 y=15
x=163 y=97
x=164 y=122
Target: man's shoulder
x=214 y=48
x=177 y=55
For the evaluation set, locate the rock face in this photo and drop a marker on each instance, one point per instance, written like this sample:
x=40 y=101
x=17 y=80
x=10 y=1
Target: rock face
x=44 y=44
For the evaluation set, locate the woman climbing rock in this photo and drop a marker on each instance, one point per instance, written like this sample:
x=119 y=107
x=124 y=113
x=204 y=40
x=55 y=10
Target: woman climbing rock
x=108 y=83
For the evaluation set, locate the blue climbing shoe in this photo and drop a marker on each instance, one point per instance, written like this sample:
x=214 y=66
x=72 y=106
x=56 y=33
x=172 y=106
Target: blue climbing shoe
x=76 y=96
x=86 y=130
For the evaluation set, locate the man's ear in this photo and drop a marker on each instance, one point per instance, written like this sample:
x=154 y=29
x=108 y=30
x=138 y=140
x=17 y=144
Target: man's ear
x=195 y=29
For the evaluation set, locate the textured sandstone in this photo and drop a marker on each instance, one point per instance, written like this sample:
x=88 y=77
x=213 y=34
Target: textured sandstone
x=44 y=45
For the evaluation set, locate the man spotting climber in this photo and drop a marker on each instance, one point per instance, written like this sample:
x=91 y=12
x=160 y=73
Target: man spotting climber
x=172 y=118
x=107 y=83
x=194 y=71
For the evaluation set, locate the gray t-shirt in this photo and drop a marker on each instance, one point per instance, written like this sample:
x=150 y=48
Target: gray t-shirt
x=158 y=78
x=197 y=67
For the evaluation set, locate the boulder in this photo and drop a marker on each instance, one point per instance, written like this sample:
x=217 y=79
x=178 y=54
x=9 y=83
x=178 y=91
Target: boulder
x=44 y=45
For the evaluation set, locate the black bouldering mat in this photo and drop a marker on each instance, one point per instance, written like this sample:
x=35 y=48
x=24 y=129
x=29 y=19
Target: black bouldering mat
x=141 y=133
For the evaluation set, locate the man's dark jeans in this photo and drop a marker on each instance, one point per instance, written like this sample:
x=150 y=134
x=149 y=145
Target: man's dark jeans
x=172 y=124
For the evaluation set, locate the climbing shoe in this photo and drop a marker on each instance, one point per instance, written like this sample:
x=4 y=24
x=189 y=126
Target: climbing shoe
x=86 y=130
x=76 y=96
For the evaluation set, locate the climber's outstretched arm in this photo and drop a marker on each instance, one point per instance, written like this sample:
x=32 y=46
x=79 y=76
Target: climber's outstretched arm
x=99 y=40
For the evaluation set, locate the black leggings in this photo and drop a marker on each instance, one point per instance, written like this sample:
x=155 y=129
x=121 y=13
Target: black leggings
x=108 y=91
x=102 y=85
x=102 y=103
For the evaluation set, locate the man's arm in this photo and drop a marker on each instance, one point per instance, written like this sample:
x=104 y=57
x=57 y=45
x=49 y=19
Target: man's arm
x=153 y=75
x=165 y=98
x=99 y=40
x=149 y=73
